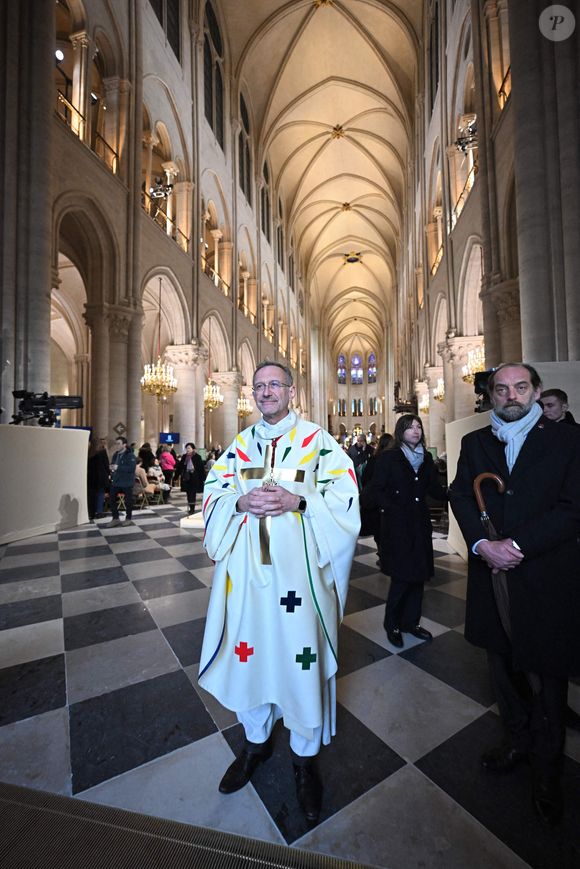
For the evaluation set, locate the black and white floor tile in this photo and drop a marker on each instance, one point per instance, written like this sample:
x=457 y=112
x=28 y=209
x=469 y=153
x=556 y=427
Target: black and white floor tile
x=100 y=638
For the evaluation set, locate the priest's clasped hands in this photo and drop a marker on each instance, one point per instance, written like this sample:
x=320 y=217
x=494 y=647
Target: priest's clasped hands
x=268 y=500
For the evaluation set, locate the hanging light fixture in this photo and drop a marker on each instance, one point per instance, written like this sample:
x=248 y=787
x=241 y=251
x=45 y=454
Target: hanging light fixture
x=424 y=404
x=244 y=406
x=439 y=391
x=158 y=378
x=212 y=397
x=475 y=364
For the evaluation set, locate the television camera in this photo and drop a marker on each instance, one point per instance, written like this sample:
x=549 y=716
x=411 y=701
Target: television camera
x=42 y=406
x=480 y=388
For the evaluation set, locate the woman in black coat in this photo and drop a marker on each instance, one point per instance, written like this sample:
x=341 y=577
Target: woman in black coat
x=97 y=478
x=402 y=478
x=192 y=474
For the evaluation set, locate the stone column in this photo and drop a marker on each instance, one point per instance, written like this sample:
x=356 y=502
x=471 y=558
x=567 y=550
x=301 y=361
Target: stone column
x=491 y=327
x=111 y=125
x=182 y=193
x=226 y=267
x=505 y=298
x=171 y=173
x=84 y=49
x=81 y=361
x=226 y=419
x=134 y=374
x=189 y=361
x=244 y=293
x=253 y=299
x=119 y=321
x=149 y=141
x=437 y=409
x=217 y=235
x=461 y=402
x=421 y=390
x=96 y=319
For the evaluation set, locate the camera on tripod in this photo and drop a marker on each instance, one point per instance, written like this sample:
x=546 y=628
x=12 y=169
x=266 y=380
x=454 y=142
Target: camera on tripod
x=42 y=406
x=480 y=388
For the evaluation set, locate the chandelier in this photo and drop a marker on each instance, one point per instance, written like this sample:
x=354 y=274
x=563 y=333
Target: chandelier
x=158 y=378
x=244 y=407
x=424 y=404
x=212 y=396
x=475 y=363
x=439 y=391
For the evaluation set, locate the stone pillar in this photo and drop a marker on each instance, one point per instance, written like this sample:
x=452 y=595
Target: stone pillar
x=226 y=267
x=506 y=301
x=461 y=402
x=253 y=300
x=171 y=173
x=134 y=374
x=244 y=293
x=421 y=390
x=119 y=321
x=111 y=119
x=189 y=361
x=95 y=317
x=84 y=49
x=123 y=128
x=149 y=141
x=81 y=361
x=491 y=327
x=437 y=409
x=183 y=192
x=226 y=419
x=217 y=235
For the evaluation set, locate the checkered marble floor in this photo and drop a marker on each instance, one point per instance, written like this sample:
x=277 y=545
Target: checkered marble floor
x=100 y=637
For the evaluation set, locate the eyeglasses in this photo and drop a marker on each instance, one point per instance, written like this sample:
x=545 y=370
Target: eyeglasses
x=258 y=388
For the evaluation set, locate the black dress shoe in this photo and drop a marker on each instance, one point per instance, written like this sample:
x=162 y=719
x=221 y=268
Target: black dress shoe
x=394 y=637
x=547 y=800
x=502 y=759
x=420 y=633
x=308 y=790
x=241 y=770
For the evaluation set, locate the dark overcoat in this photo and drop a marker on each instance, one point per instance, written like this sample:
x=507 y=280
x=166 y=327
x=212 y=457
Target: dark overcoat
x=191 y=481
x=540 y=510
x=405 y=548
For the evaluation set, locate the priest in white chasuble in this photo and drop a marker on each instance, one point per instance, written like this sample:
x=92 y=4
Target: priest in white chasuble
x=281 y=523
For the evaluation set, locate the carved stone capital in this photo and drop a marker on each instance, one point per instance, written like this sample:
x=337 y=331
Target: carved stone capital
x=228 y=380
x=455 y=349
x=505 y=298
x=186 y=355
x=119 y=322
x=433 y=373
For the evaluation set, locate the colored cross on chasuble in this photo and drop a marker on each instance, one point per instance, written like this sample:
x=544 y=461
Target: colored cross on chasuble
x=270 y=476
x=290 y=601
x=306 y=658
x=243 y=651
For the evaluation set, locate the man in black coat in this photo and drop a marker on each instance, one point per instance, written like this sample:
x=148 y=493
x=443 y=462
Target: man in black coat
x=538 y=523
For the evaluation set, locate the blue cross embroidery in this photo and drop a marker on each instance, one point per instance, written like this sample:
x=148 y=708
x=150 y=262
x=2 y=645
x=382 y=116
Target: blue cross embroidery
x=291 y=601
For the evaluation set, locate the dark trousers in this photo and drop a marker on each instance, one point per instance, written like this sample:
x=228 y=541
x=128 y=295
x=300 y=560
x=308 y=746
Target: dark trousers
x=535 y=721
x=168 y=475
x=128 y=493
x=190 y=493
x=403 y=609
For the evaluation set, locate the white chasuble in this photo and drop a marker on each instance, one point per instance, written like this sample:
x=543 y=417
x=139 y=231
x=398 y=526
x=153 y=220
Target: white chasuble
x=280 y=583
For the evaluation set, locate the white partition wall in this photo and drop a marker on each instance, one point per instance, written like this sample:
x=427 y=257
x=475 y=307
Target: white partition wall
x=454 y=432
x=44 y=480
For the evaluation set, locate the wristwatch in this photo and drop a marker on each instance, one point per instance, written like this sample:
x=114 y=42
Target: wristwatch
x=302 y=505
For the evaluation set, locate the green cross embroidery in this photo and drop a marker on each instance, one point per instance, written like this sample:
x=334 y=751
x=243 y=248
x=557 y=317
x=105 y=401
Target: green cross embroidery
x=306 y=658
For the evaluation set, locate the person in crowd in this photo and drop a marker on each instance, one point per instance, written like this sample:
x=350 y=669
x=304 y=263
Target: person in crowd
x=167 y=462
x=155 y=474
x=555 y=405
x=191 y=473
x=217 y=451
x=123 y=465
x=360 y=452
x=97 y=478
x=146 y=456
x=142 y=482
x=281 y=524
x=533 y=638
x=210 y=461
x=403 y=476
x=371 y=518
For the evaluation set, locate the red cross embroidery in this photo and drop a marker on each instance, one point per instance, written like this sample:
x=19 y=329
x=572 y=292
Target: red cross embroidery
x=244 y=651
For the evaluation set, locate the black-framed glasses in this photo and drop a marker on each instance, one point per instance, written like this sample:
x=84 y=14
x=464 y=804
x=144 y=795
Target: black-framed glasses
x=276 y=385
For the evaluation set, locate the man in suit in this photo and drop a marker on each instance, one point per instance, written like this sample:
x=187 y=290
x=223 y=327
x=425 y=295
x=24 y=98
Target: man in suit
x=538 y=523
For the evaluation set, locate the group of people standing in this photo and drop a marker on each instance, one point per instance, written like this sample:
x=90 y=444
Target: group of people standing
x=128 y=474
x=285 y=485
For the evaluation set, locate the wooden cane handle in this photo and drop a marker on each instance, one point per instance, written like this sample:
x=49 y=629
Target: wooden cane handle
x=487 y=475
